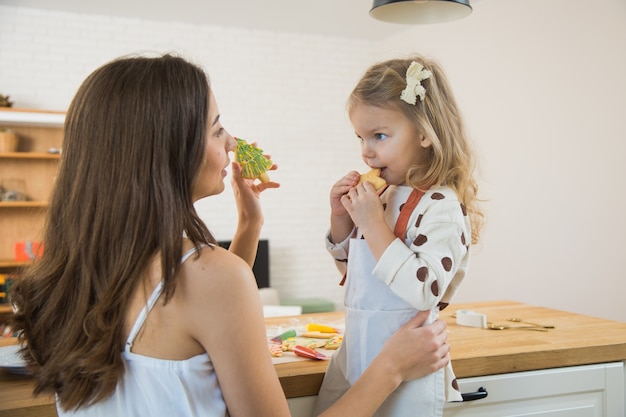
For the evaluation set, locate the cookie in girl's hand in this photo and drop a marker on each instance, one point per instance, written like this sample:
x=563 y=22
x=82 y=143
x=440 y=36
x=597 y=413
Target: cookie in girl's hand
x=374 y=178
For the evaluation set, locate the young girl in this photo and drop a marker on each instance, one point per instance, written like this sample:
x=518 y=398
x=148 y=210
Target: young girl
x=133 y=310
x=407 y=249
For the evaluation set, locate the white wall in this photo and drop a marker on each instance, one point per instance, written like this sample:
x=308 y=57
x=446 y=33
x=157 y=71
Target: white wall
x=543 y=89
x=286 y=91
x=540 y=84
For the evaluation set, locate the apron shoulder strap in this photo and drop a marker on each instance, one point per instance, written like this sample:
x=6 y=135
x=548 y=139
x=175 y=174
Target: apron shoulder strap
x=405 y=213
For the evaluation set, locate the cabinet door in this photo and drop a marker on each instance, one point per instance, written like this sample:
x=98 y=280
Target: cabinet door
x=302 y=406
x=581 y=391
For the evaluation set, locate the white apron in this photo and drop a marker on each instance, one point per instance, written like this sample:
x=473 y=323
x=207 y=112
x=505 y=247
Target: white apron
x=373 y=312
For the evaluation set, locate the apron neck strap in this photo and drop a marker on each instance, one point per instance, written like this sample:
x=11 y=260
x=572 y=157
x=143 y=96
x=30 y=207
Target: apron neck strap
x=405 y=213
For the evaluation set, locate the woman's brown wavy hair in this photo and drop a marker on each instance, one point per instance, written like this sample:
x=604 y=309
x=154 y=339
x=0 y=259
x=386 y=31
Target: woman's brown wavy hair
x=452 y=161
x=134 y=141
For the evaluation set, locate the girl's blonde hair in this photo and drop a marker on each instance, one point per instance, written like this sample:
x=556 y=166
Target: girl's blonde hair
x=452 y=159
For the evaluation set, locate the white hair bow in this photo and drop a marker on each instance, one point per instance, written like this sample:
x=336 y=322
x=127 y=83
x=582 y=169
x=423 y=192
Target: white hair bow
x=414 y=76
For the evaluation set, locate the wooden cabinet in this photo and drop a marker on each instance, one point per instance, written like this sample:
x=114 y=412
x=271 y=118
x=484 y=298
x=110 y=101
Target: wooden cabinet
x=573 y=370
x=31 y=169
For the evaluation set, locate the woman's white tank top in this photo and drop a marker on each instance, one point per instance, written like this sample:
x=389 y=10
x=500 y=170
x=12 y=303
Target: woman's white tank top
x=160 y=387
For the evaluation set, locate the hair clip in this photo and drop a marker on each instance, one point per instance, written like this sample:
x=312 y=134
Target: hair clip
x=414 y=76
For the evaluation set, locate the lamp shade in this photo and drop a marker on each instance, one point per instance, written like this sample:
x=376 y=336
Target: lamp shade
x=420 y=11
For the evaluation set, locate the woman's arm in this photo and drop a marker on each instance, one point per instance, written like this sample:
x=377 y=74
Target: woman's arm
x=250 y=216
x=412 y=352
x=226 y=317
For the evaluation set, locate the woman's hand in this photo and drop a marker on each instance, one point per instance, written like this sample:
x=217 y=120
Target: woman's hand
x=248 y=191
x=414 y=351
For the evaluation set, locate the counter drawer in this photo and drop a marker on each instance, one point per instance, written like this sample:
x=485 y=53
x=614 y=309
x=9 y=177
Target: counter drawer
x=579 y=391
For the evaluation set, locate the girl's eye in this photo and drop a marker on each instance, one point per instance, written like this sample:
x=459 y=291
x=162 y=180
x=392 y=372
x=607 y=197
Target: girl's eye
x=380 y=136
x=219 y=132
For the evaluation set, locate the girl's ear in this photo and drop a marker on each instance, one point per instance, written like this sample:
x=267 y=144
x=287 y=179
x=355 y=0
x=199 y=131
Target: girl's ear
x=425 y=142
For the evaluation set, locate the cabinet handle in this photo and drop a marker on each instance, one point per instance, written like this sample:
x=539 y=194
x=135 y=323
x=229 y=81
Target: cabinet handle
x=473 y=396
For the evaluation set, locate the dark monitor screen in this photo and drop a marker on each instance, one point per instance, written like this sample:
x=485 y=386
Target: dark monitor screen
x=261 y=267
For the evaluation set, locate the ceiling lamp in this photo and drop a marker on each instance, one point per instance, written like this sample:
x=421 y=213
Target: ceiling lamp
x=420 y=11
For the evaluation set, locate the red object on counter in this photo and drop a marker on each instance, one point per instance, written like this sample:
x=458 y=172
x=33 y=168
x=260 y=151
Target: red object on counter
x=306 y=352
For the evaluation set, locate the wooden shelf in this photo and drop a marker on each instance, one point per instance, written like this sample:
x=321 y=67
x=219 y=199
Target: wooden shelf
x=5 y=309
x=30 y=117
x=31 y=170
x=29 y=155
x=11 y=263
x=23 y=204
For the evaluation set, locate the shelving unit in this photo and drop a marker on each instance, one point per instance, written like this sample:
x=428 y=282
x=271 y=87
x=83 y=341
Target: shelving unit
x=35 y=166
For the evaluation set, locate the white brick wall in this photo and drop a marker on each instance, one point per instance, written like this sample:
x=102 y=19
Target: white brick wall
x=286 y=91
x=544 y=106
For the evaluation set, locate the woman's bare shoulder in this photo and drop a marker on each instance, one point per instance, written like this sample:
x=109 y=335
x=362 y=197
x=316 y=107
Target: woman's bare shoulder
x=217 y=289
x=214 y=268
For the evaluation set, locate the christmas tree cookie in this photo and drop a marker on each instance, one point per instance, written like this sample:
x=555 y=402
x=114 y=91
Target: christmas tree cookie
x=253 y=163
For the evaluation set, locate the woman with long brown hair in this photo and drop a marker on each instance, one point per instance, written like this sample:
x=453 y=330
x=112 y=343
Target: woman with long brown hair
x=132 y=307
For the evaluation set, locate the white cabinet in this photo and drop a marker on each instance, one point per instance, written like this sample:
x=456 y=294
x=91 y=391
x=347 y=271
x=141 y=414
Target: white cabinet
x=578 y=391
x=302 y=406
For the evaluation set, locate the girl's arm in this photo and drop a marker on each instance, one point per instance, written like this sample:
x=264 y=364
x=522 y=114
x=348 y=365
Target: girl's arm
x=250 y=216
x=340 y=222
x=437 y=253
x=366 y=210
x=439 y=235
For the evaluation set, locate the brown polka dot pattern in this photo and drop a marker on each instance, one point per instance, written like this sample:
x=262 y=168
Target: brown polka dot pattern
x=420 y=240
x=464 y=209
x=422 y=274
x=435 y=288
x=447 y=264
x=437 y=196
x=463 y=239
x=455 y=384
x=419 y=220
x=442 y=305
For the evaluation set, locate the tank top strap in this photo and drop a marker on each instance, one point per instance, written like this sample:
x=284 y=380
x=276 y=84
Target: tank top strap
x=143 y=314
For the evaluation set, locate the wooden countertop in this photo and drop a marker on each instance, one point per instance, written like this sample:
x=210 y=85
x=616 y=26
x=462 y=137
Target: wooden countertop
x=576 y=340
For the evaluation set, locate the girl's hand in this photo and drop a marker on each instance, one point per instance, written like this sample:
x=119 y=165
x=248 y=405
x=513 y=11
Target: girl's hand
x=364 y=206
x=339 y=190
